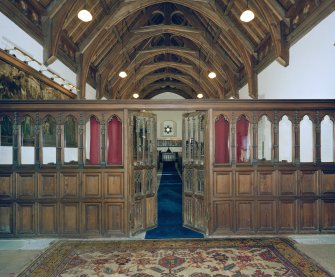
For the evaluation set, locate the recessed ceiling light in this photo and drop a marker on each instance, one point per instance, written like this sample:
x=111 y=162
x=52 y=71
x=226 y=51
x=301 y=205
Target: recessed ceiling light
x=200 y=95
x=136 y=95
x=85 y=15
x=123 y=74
x=212 y=75
x=247 y=16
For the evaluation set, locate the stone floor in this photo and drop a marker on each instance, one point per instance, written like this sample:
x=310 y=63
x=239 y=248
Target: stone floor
x=16 y=254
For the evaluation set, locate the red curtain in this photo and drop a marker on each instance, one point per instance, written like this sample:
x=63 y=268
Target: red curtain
x=115 y=141
x=242 y=139
x=94 y=141
x=221 y=140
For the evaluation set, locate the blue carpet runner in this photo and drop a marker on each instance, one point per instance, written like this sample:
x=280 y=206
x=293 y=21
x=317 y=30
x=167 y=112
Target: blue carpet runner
x=170 y=222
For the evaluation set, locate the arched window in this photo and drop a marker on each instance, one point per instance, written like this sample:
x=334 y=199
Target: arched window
x=6 y=140
x=49 y=139
x=306 y=140
x=327 y=139
x=93 y=141
x=70 y=140
x=264 y=139
x=27 y=140
x=285 y=139
x=242 y=140
x=221 y=140
x=114 y=142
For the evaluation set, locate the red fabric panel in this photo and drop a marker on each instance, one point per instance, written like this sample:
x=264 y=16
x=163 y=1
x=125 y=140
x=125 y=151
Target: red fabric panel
x=114 y=141
x=94 y=141
x=221 y=141
x=242 y=128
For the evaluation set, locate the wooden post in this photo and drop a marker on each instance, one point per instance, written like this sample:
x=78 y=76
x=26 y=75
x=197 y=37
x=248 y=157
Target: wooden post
x=296 y=139
x=276 y=138
x=16 y=144
x=81 y=141
x=59 y=141
x=233 y=139
x=318 y=139
x=37 y=142
x=103 y=142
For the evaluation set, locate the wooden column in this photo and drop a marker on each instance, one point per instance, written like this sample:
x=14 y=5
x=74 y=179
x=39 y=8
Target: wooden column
x=103 y=141
x=296 y=140
x=317 y=138
x=233 y=140
x=81 y=141
x=59 y=141
x=254 y=139
x=276 y=138
x=37 y=142
x=16 y=147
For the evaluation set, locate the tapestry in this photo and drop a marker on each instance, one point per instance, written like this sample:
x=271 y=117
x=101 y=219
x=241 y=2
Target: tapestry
x=194 y=257
x=17 y=84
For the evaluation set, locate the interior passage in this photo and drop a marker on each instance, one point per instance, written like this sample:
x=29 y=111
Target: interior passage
x=170 y=223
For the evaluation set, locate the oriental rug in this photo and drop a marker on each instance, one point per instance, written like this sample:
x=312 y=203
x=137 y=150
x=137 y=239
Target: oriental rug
x=193 y=257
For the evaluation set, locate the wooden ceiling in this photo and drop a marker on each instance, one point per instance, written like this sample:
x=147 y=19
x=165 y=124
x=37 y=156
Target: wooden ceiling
x=167 y=45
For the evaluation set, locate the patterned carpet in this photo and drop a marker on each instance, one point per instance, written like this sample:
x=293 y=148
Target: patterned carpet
x=195 y=257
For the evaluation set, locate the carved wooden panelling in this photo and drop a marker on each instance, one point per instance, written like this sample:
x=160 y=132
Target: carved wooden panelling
x=328 y=182
x=6 y=185
x=287 y=183
x=266 y=183
x=199 y=214
x=114 y=187
x=91 y=218
x=114 y=218
x=6 y=219
x=188 y=210
x=47 y=185
x=138 y=214
x=309 y=183
x=223 y=184
x=25 y=185
x=92 y=185
x=266 y=214
x=69 y=185
x=69 y=218
x=151 y=211
x=287 y=215
x=244 y=183
x=309 y=215
x=244 y=216
x=25 y=219
x=48 y=219
x=328 y=215
x=223 y=217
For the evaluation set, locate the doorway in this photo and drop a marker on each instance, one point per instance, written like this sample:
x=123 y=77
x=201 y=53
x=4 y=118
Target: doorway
x=171 y=202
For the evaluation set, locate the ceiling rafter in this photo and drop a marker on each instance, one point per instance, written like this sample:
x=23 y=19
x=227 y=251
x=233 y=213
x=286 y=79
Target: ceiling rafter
x=188 y=54
x=281 y=46
x=52 y=28
x=184 y=68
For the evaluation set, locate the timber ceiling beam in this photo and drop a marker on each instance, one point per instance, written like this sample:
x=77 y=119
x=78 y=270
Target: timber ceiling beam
x=190 y=55
x=211 y=87
x=149 y=79
x=281 y=46
x=148 y=94
x=52 y=29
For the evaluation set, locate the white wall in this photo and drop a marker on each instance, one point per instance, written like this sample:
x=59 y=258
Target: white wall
x=310 y=73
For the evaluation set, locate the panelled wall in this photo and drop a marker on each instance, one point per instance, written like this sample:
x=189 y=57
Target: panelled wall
x=254 y=190
x=77 y=188
x=81 y=192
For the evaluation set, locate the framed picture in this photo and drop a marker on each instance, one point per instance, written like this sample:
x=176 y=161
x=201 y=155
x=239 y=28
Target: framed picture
x=168 y=128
